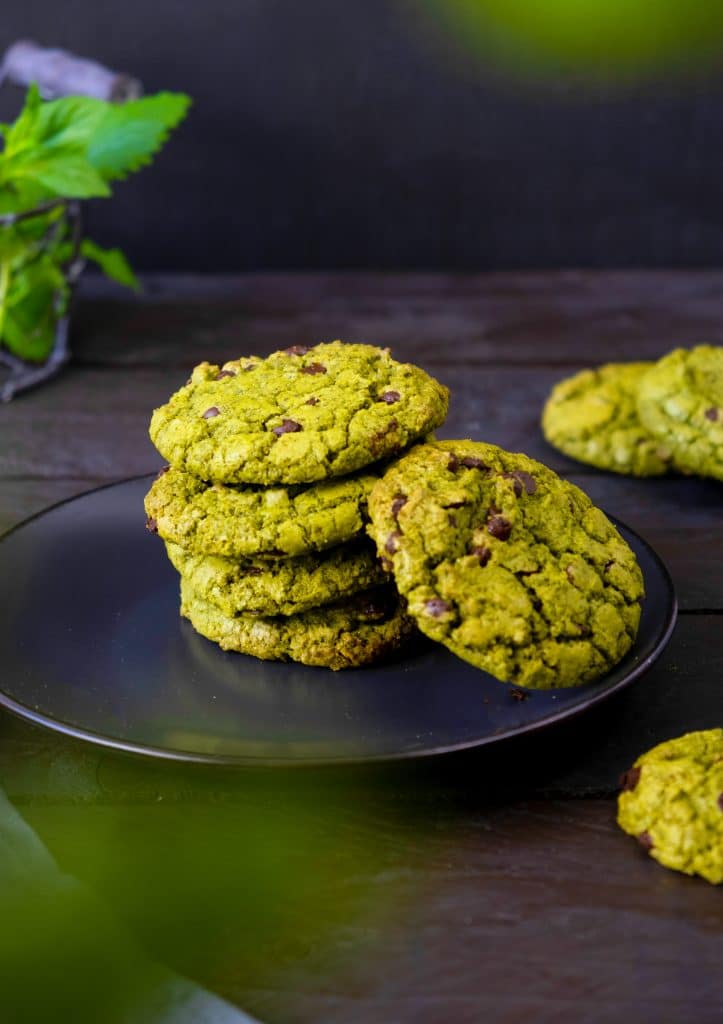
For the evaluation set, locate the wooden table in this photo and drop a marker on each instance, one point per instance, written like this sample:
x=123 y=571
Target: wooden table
x=479 y=886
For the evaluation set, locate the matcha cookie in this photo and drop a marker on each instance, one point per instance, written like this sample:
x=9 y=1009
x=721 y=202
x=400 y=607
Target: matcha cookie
x=510 y=567
x=354 y=632
x=298 y=416
x=280 y=586
x=672 y=802
x=681 y=401
x=237 y=522
x=593 y=417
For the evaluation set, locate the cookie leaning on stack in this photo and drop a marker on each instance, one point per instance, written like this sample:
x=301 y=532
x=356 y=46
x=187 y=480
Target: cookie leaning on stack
x=271 y=464
x=509 y=566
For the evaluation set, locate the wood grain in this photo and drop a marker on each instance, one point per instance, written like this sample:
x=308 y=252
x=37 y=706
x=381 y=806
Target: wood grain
x=439 y=319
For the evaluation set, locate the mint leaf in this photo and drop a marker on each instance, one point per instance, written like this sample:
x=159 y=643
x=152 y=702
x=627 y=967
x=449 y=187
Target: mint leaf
x=21 y=195
x=30 y=315
x=22 y=132
x=129 y=134
x=112 y=262
x=60 y=171
x=69 y=121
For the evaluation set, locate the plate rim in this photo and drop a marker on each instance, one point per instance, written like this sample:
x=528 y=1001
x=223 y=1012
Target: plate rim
x=143 y=750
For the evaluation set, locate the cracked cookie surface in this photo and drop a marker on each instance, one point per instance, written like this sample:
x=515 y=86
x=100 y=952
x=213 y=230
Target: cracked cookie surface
x=243 y=521
x=297 y=416
x=349 y=634
x=593 y=417
x=672 y=802
x=279 y=586
x=680 y=400
x=512 y=568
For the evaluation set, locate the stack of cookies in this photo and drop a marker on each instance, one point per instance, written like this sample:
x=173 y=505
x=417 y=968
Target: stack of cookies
x=263 y=504
x=643 y=419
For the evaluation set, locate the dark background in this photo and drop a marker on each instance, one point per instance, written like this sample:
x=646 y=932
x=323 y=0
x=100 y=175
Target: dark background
x=352 y=135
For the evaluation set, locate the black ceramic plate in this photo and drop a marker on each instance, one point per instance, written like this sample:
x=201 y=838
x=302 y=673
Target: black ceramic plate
x=91 y=644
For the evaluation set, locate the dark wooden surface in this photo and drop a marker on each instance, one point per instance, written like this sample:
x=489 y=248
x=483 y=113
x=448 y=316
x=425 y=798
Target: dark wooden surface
x=485 y=886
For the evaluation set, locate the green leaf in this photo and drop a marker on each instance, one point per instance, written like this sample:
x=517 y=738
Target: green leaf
x=22 y=132
x=12 y=245
x=65 y=122
x=68 y=174
x=70 y=121
x=61 y=171
x=129 y=134
x=21 y=195
x=30 y=315
x=112 y=262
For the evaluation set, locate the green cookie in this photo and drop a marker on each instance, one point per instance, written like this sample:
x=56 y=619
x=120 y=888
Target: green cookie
x=593 y=417
x=510 y=567
x=354 y=632
x=298 y=416
x=681 y=401
x=238 y=522
x=280 y=586
x=672 y=802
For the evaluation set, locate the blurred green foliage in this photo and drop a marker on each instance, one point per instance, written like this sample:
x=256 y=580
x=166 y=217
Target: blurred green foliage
x=230 y=890
x=596 y=39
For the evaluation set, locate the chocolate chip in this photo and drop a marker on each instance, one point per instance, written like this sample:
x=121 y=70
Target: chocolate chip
x=645 y=840
x=528 y=481
x=516 y=484
x=519 y=695
x=390 y=397
x=400 y=500
x=499 y=527
x=629 y=780
x=378 y=441
x=151 y=525
x=162 y=472
x=210 y=413
x=712 y=414
x=225 y=373
x=313 y=368
x=296 y=350
x=522 y=481
x=312 y=401
x=472 y=462
x=391 y=543
x=287 y=427
x=720 y=801
x=482 y=553
x=437 y=607
x=453 y=463
x=386 y=564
